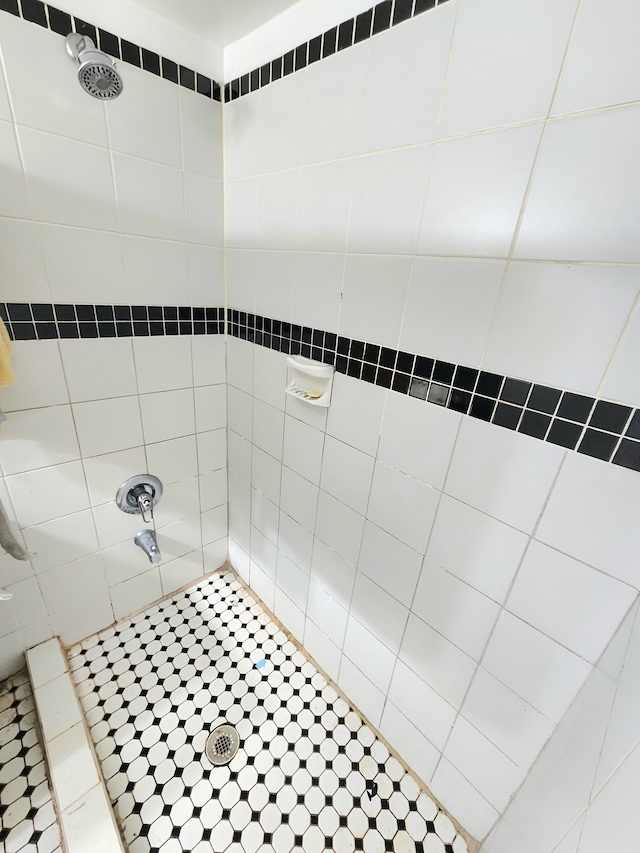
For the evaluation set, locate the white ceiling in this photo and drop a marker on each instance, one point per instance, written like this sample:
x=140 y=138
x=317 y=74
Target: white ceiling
x=219 y=21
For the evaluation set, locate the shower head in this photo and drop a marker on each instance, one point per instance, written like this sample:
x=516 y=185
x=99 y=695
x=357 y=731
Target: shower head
x=96 y=71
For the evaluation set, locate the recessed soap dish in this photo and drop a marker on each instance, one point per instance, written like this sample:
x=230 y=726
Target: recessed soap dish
x=309 y=381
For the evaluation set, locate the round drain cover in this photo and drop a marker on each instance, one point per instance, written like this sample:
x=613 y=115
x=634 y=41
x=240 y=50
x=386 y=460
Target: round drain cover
x=222 y=744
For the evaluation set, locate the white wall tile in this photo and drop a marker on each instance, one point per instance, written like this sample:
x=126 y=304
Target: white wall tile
x=390 y=563
x=263 y=585
x=36 y=438
x=150 y=198
x=240 y=456
x=240 y=357
x=162 y=363
x=105 y=473
x=365 y=695
x=152 y=132
x=15 y=201
x=373 y=296
x=491 y=36
x=324 y=652
x=73 y=581
x=44 y=494
x=264 y=513
x=214 y=524
x=289 y=614
x=402 y=506
x=97 y=271
x=379 y=612
x=204 y=209
x=428 y=711
x=346 y=474
x=324 y=202
x=138 y=592
x=265 y=474
x=356 y=411
x=535 y=667
x=502 y=473
x=168 y=414
x=107 y=425
x=303 y=448
x=570 y=602
x=417 y=54
x=27 y=604
x=298 y=498
x=281 y=113
x=61 y=540
x=97 y=369
x=114 y=526
x=215 y=555
x=156 y=271
x=241 y=210
x=327 y=613
x=450 y=304
x=437 y=661
x=242 y=136
x=581 y=85
x=206 y=275
x=211 y=407
x=333 y=573
x=295 y=542
x=201 y=125
x=274 y=284
x=333 y=104
x=455 y=610
x=372 y=658
x=461 y=799
x=23 y=270
x=575 y=315
x=317 y=285
x=212 y=450
x=70 y=182
x=475 y=193
x=268 y=428
x=621 y=382
x=208 y=354
x=387 y=199
x=5 y=109
x=339 y=527
x=584 y=215
x=409 y=741
x=590 y=516
x=179 y=501
x=173 y=460
x=277 y=201
x=292 y=581
x=42 y=380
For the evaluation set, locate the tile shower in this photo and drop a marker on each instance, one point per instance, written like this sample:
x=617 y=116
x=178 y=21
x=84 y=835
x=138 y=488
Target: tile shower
x=472 y=489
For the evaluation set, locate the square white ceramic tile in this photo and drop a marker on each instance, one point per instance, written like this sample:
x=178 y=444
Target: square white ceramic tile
x=168 y=414
x=156 y=273
x=27 y=604
x=173 y=460
x=458 y=796
x=525 y=469
x=346 y=474
x=613 y=37
x=418 y=54
x=36 y=438
x=15 y=201
x=212 y=450
x=437 y=661
x=455 y=610
x=105 y=426
x=372 y=658
x=208 y=354
x=140 y=591
x=295 y=541
x=150 y=198
x=505 y=719
x=240 y=456
x=268 y=428
x=42 y=495
x=387 y=201
x=292 y=581
x=240 y=358
x=281 y=113
x=215 y=555
x=213 y=489
x=476 y=189
x=449 y=307
x=201 y=134
x=390 y=563
x=298 y=498
x=61 y=540
x=585 y=310
x=355 y=415
x=384 y=616
x=122 y=565
x=486 y=557
x=214 y=524
x=114 y=526
x=591 y=516
x=324 y=204
x=265 y=474
x=339 y=527
x=263 y=585
x=23 y=269
x=70 y=182
x=179 y=501
x=402 y=506
x=327 y=613
x=241 y=495
x=373 y=297
x=289 y=614
x=57 y=706
x=242 y=136
x=71 y=765
x=420 y=704
x=569 y=601
x=317 y=287
x=98 y=251
x=240 y=412
x=277 y=203
x=362 y=691
x=42 y=381
x=206 y=275
x=303 y=449
x=106 y=473
x=204 y=209
x=97 y=369
x=185 y=569
x=92 y=824
x=81 y=579
x=240 y=212
x=152 y=132
x=535 y=667
x=418 y=439
x=326 y=653
x=45 y=663
x=333 y=573
x=211 y=407
x=620 y=381
x=412 y=746
x=492 y=36
x=577 y=214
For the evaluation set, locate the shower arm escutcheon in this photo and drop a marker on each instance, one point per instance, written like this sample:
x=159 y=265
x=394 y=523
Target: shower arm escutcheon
x=139 y=495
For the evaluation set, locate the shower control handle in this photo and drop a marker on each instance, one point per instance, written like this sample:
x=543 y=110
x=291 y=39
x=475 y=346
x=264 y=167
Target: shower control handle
x=139 y=495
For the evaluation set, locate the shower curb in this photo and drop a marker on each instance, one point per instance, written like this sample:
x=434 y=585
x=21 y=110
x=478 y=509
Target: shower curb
x=83 y=807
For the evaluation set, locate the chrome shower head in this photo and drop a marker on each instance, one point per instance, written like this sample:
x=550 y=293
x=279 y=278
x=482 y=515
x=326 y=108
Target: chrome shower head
x=96 y=71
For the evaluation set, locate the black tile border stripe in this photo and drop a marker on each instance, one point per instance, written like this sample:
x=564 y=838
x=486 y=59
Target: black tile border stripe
x=597 y=428
x=369 y=23
x=30 y=321
x=62 y=23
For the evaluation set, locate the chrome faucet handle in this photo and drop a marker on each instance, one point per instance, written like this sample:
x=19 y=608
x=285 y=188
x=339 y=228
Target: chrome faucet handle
x=139 y=494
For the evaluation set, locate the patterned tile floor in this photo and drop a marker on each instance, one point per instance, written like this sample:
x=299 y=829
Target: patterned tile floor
x=28 y=821
x=309 y=773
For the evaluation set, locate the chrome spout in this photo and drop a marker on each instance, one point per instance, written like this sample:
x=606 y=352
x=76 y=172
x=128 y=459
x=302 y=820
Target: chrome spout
x=146 y=540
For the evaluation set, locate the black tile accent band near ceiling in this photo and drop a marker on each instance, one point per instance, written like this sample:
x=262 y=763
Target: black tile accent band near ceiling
x=62 y=23
x=375 y=20
x=598 y=428
x=30 y=321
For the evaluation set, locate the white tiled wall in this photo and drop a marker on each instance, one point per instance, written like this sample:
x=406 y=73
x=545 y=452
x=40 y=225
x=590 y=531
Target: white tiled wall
x=106 y=203
x=470 y=201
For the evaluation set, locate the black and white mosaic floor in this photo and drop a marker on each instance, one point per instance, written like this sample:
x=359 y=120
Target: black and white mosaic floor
x=27 y=818
x=309 y=773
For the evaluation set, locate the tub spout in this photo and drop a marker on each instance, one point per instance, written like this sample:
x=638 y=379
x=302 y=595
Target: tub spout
x=146 y=540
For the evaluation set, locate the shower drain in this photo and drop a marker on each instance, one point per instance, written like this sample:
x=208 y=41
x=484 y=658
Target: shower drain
x=222 y=744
